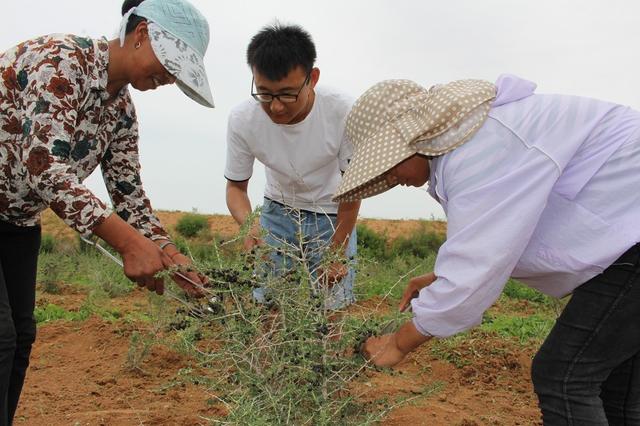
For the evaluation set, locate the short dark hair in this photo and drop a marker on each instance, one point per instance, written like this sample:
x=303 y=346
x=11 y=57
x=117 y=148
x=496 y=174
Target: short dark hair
x=278 y=49
x=134 y=19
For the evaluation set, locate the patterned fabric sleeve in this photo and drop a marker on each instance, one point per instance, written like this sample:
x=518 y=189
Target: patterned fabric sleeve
x=52 y=92
x=121 y=171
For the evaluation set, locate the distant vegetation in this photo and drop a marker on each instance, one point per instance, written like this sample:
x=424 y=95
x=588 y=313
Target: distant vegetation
x=422 y=243
x=192 y=224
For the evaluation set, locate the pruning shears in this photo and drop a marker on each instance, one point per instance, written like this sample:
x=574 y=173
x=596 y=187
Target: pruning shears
x=200 y=311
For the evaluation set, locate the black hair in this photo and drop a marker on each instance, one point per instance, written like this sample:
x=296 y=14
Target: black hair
x=134 y=19
x=278 y=49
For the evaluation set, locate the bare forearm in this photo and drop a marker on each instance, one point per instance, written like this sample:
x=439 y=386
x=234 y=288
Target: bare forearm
x=346 y=220
x=122 y=236
x=238 y=204
x=408 y=337
x=117 y=233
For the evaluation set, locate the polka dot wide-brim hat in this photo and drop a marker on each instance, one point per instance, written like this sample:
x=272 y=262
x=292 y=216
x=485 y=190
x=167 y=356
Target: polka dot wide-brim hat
x=396 y=119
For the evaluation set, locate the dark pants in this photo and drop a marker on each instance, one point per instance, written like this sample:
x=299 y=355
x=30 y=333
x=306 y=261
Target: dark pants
x=587 y=372
x=18 y=267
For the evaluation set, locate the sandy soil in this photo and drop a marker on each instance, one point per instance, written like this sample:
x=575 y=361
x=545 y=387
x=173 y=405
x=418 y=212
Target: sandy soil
x=79 y=376
x=79 y=373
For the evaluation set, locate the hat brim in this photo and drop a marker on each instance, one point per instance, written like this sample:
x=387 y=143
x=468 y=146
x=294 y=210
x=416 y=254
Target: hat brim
x=365 y=175
x=387 y=148
x=183 y=62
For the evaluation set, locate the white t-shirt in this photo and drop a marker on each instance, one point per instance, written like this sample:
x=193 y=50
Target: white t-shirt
x=303 y=161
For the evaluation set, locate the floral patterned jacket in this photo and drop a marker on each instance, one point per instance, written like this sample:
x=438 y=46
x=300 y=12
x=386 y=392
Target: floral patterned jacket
x=57 y=125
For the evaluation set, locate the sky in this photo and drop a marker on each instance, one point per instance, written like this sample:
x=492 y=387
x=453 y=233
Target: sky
x=586 y=48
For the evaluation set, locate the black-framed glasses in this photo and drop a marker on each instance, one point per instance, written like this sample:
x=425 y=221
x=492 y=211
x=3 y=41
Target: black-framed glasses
x=285 y=98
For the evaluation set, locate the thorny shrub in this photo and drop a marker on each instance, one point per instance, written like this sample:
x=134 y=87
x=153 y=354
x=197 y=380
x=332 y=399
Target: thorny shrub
x=290 y=360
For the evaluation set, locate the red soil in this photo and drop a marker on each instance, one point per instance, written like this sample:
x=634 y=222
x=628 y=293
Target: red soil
x=79 y=374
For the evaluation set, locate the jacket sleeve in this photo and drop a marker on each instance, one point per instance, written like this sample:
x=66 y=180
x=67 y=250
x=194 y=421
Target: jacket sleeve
x=495 y=189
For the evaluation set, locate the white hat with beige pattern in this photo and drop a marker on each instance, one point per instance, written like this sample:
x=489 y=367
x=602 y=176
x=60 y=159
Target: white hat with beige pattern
x=396 y=119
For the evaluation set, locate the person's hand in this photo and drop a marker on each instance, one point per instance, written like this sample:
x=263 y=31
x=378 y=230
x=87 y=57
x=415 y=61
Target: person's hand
x=382 y=351
x=142 y=259
x=390 y=349
x=335 y=266
x=185 y=264
x=333 y=273
x=413 y=289
x=253 y=239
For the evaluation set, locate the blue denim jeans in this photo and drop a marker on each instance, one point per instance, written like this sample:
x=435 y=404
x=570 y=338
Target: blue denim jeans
x=587 y=372
x=283 y=225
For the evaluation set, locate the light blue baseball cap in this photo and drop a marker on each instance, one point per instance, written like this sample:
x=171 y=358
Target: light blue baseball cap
x=179 y=36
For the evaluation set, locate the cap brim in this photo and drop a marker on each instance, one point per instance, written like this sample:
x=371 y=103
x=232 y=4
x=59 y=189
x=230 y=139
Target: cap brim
x=203 y=97
x=184 y=63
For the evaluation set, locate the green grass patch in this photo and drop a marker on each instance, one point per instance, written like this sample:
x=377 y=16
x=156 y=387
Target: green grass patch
x=389 y=277
x=86 y=269
x=53 y=312
x=371 y=244
x=421 y=244
x=531 y=329
x=516 y=290
x=47 y=243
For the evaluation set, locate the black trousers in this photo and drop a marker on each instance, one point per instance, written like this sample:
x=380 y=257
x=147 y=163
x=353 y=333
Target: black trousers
x=587 y=372
x=19 y=248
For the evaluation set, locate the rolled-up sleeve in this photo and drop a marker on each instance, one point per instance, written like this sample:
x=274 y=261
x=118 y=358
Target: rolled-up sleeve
x=495 y=189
